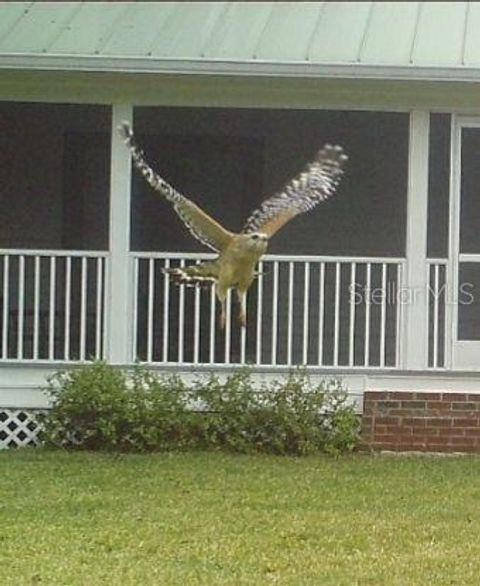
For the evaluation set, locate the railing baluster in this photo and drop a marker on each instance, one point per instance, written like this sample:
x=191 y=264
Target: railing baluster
x=290 y=313
x=428 y=316
x=21 y=305
x=68 y=287
x=212 y=325
x=181 y=318
x=336 y=340
x=36 y=304
x=351 y=334
x=367 y=313
x=51 y=309
x=275 y=313
x=306 y=302
x=398 y=316
x=196 y=325
x=98 y=309
x=136 y=272
x=445 y=316
x=6 y=303
x=105 y=303
x=435 y=315
x=228 y=327
x=383 y=315
x=83 y=309
x=150 y=299
x=166 y=308
x=243 y=344
x=321 y=316
x=259 y=314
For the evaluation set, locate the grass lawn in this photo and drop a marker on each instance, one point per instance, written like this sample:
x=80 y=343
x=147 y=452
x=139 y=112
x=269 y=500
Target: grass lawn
x=208 y=519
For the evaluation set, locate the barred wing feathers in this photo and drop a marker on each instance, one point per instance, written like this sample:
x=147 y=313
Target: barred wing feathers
x=316 y=184
x=203 y=227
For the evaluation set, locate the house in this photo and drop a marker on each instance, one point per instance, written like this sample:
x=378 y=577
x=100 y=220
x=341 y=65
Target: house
x=379 y=285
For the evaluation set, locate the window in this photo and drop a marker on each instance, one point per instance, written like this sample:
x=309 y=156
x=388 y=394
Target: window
x=54 y=176
x=229 y=160
x=438 y=185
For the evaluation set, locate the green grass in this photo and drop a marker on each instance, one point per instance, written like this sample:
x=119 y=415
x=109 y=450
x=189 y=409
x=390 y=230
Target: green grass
x=186 y=519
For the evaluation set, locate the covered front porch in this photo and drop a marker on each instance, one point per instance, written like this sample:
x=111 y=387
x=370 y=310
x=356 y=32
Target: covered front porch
x=382 y=277
x=363 y=283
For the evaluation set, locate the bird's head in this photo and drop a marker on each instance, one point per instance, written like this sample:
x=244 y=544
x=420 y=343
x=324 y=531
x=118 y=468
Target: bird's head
x=258 y=241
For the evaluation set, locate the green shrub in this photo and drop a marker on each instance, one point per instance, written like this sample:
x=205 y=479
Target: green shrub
x=103 y=407
x=89 y=410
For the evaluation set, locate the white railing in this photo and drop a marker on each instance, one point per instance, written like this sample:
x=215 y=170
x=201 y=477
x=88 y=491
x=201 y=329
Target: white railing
x=52 y=305
x=313 y=310
x=437 y=312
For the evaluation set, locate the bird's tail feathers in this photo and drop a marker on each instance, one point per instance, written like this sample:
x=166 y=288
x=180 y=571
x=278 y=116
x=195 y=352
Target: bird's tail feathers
x=204 y=274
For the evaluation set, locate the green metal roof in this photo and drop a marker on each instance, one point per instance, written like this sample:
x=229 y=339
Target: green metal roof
x=402 y=40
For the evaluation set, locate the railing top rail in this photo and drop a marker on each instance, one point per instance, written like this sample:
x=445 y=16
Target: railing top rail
x=469 y=257
x=273 y=257
x=45 y=252
x=437 y=261
x=175 y=255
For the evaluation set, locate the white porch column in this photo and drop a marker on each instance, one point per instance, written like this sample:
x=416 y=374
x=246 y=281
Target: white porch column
x=415 y=311
x=119 y=332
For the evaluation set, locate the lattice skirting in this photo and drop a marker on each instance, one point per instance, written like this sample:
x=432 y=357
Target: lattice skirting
x=19 y=427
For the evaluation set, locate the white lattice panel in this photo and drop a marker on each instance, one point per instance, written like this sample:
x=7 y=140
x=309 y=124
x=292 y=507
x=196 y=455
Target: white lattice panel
x=18 y=427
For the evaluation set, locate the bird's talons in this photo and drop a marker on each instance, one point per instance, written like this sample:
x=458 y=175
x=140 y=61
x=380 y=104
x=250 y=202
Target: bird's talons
x=242 y=320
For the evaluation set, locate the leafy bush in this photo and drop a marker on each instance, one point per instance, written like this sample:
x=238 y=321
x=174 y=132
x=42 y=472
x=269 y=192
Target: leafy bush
x=90 y=405
x=103 y=407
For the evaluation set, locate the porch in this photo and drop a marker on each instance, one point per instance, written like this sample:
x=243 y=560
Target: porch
x=375 y=299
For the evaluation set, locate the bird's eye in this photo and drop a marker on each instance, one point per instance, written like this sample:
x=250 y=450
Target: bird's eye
x=255 y=236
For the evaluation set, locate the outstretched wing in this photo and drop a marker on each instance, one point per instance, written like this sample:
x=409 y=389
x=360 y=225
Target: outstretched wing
x=200 y=224
x=317 y=183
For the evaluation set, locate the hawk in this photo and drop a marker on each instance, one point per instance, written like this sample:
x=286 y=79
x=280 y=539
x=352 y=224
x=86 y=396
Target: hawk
x=239 y=253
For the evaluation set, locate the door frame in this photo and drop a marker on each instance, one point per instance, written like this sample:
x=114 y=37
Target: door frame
x=462 y=354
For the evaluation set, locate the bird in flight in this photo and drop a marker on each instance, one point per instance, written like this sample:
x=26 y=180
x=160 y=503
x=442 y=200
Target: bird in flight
x=239 y=253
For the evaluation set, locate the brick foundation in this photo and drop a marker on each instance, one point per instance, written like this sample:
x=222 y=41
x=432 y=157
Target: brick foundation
x=427 y=422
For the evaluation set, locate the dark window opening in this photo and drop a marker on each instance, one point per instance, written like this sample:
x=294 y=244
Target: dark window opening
x=438 y=186
x=229 y=160
x=54 y=176
x=468 y=301
x=470 y=200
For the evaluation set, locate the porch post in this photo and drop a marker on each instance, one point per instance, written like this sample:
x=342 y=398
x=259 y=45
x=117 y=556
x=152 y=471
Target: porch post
x=118 y=332
x=415 y=310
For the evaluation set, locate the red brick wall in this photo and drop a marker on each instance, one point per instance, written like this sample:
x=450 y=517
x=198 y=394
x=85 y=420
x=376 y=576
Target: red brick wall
x=427 y=422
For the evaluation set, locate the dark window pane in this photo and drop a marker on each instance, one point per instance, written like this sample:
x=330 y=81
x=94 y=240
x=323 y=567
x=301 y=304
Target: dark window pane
x=229 y=160
x=469 y=301
x=438 y=186
x=470 y=192
x=54 y=176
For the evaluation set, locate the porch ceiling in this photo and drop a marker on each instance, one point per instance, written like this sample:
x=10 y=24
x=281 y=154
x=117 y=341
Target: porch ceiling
x=391 y=40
